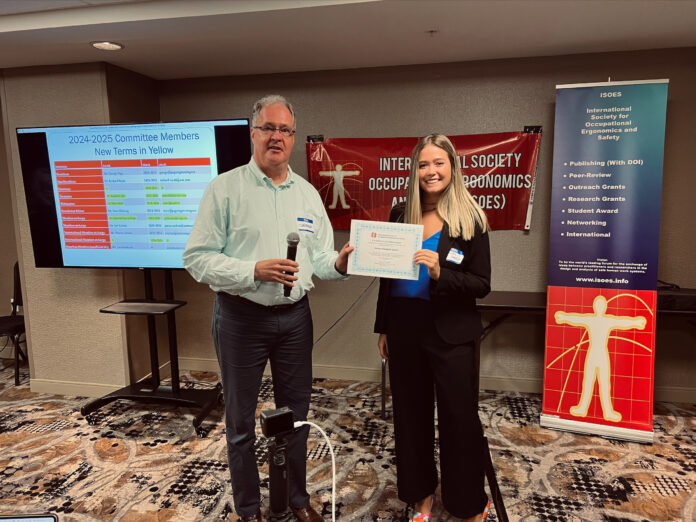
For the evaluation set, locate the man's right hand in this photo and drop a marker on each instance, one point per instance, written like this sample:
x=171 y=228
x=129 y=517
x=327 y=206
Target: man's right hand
x=275 y=270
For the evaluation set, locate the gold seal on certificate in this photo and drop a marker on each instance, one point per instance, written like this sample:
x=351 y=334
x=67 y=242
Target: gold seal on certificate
x=384 y=249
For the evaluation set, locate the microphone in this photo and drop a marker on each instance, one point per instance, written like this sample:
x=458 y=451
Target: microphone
x=293 y=239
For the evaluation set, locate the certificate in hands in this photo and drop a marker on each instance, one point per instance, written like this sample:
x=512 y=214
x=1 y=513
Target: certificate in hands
x=384 y=249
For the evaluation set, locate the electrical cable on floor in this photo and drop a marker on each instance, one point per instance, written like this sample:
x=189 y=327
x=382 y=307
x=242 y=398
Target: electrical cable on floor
x=333 y=465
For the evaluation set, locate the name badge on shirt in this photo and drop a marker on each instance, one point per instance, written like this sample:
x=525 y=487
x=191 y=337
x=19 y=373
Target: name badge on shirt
x=305 y=225
x=455 y=256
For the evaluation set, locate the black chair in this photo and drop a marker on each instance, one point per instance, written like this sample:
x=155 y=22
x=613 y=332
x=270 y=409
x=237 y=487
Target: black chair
x=12 y=326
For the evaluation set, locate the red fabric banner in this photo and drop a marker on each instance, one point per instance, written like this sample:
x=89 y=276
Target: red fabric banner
x=362 y=178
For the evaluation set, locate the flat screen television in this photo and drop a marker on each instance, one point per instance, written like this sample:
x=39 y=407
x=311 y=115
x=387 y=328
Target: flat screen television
x=122 y=196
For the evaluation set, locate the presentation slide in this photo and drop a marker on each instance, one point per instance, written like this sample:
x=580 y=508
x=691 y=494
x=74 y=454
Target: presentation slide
x=126 y=190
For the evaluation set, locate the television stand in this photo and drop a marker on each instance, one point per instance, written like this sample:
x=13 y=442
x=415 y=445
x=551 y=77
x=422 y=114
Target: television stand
x=150 y=389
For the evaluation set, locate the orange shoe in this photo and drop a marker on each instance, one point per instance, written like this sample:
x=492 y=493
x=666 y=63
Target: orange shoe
x=486 y=510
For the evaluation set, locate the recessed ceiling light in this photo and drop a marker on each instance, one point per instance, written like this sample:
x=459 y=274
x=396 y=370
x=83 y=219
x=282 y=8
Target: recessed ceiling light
x=107 y=46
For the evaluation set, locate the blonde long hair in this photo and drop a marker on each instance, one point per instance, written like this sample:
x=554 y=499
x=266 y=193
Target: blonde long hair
x=456 y=205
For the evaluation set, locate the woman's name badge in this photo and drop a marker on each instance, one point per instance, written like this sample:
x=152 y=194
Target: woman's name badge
x=455 y=256
x=305 y=225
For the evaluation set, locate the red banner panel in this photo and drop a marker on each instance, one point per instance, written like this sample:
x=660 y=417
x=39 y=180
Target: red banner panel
x=363 y=178
x=600 y=355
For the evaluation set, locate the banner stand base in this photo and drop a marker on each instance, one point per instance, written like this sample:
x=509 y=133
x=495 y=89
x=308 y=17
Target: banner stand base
x=610 y=432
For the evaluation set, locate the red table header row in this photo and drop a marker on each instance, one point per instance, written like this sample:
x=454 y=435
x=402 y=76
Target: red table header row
x=167 y=162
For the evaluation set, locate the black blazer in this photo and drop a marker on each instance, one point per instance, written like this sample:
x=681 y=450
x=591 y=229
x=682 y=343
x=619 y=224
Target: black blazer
x=454 y=295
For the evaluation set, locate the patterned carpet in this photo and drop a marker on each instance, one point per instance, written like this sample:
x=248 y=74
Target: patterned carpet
x=145 y=463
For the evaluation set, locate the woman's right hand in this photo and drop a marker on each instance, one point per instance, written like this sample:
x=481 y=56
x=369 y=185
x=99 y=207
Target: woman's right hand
x=382 y=345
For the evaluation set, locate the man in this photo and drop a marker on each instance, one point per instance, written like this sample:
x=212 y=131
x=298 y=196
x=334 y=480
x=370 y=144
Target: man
x=238 y=246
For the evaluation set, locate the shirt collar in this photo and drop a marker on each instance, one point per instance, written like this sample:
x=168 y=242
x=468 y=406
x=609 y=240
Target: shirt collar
x=265 y=180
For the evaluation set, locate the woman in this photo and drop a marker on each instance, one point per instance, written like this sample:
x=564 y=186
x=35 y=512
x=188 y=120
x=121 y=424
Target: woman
x=428 y=330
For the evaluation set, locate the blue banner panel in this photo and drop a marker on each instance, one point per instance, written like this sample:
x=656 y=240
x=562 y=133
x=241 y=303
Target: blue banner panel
x=607 y=185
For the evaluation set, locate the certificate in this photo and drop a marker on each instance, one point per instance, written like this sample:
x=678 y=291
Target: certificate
x=384 y=249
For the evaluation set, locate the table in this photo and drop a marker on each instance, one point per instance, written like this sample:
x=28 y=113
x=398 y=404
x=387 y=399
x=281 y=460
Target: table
x=151 y=390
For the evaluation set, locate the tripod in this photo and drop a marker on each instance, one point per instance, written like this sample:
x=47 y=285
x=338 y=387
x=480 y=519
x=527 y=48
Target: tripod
x=279 y=425
x=278 y=480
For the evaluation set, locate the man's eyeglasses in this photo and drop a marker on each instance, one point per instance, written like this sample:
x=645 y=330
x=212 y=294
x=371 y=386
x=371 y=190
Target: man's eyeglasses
x=286 y=132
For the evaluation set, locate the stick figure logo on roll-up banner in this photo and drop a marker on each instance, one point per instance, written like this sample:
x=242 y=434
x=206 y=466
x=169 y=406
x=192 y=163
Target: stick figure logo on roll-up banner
x=602 y=364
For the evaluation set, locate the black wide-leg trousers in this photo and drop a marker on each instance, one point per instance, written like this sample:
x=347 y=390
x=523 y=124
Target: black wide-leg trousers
x=421 y=368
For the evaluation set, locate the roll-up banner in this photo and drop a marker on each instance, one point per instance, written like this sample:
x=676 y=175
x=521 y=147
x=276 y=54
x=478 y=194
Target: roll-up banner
x=363 y=178
x=603 y=252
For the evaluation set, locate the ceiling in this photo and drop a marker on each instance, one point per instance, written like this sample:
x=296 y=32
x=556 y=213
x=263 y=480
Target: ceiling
x=169 y=39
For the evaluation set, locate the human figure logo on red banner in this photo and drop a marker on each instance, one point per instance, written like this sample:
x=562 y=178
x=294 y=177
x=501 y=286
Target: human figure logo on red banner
x=339 y=190
x=598 y=326
x=599 y=360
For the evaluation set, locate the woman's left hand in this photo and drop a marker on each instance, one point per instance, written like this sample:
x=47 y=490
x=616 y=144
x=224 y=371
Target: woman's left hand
x=431 y=261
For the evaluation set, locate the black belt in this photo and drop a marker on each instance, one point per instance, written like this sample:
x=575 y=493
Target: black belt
x=270 y=308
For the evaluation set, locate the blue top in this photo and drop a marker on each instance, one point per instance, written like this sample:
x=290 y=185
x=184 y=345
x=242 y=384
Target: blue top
x=421 y=288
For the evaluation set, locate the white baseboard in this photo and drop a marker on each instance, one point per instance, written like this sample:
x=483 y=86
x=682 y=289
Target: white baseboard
x=351 y=373
x=516 y=384
x=675 y=394
x=321 y=371
x=325 y=371
x=199 y=364
x=84 y=389
x=77 y=389
x=526 y=385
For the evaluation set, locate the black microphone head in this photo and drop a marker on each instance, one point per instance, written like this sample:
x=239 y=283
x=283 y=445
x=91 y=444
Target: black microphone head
x=293 y=238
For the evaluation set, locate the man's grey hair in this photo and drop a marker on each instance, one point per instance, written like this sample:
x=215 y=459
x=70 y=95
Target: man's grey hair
x=271 y=99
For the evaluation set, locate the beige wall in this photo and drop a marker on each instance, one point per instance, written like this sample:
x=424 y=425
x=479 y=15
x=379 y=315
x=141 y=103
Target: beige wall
x=72 y=342
x=73 y=349
x=8 y=246
x=457 y=98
